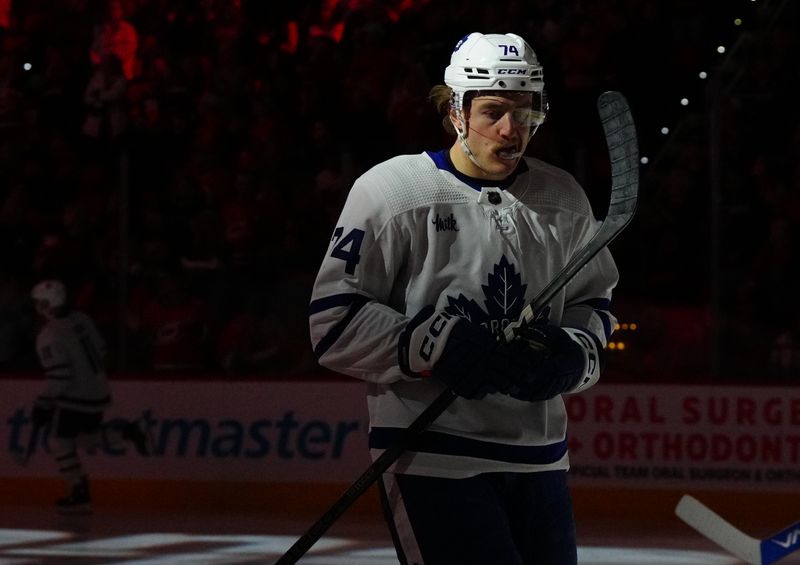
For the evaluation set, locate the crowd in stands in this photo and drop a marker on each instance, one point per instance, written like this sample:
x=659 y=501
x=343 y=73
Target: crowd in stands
x=180 y=164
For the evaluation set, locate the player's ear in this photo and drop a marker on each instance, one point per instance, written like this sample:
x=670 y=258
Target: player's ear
x=457 y=123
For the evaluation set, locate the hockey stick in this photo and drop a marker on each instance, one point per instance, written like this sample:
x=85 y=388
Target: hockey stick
x=623 y=150
x=22 y=458
x=747 y=548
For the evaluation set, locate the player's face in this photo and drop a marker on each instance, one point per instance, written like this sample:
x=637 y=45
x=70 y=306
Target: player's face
x=499 y=128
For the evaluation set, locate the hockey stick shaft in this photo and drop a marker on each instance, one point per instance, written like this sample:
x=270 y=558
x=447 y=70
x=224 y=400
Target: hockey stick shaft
x=623 y=151
x=370 y=476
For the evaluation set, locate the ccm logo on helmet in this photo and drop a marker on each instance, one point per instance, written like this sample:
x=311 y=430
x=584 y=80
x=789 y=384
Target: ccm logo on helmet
x=511 y=71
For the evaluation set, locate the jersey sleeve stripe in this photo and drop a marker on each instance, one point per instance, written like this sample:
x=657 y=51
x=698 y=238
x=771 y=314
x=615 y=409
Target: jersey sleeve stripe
x=355 y=301
x=322 y=304
x=446 y=444
x=607 y=329
x=590 y=333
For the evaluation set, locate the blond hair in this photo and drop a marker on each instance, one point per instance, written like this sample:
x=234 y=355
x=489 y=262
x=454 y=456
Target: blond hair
x=441 y=96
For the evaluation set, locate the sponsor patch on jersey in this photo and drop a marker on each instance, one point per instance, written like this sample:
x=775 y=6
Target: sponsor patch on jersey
x=446 y=223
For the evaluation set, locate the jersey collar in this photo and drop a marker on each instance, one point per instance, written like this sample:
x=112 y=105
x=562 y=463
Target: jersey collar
x=442 y=160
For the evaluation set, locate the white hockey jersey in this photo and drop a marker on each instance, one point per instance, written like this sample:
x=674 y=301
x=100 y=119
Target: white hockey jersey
x=72 y=353
x=413 y=232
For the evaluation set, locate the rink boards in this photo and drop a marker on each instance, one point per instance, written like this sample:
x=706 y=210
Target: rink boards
x=246 y=443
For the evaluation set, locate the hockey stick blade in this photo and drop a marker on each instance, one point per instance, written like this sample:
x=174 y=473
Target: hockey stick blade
x=624 y=154
x=745 y=547
x=718 y=530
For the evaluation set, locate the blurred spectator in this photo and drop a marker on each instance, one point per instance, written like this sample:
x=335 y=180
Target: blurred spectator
x=5 y=15
x=247 y=121
x=775 y=267
x=116 y=36
x=12 y=102
x=106 y=103
x=173 y=326
x=784 y=357
x=16 y=323
x=254 y=340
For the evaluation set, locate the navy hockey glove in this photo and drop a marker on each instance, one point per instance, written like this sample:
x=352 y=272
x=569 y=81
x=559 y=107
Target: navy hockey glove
x=459 y=353
x=546 y=360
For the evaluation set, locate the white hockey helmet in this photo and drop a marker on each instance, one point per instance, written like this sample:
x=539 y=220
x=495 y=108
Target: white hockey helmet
x=48 y=296
x=496 y=62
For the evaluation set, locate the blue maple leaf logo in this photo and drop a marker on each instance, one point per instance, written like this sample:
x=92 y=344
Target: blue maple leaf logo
x=504 y=299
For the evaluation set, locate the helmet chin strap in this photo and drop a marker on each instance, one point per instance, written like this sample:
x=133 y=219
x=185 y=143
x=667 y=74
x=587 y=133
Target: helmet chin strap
x=462 y=138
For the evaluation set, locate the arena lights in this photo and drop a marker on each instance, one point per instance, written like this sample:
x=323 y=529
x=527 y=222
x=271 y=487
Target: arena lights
x=620 y=327
x=702 y=75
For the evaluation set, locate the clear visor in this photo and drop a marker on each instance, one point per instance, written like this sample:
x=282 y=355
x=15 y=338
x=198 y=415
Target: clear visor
x=527 y=108
x=528 y=117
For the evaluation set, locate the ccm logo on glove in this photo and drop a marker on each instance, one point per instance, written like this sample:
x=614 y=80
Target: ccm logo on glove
x=436 y=328
x=423 y=340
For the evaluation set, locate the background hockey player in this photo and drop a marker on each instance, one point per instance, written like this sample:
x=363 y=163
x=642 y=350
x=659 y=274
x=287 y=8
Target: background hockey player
x=433 y=255
x=71 y=353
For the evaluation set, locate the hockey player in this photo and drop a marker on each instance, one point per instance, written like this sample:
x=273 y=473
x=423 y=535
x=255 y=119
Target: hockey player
x=71 y=353
x=433 y=255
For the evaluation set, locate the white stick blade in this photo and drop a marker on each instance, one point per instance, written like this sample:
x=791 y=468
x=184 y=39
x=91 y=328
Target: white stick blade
x=718 y=530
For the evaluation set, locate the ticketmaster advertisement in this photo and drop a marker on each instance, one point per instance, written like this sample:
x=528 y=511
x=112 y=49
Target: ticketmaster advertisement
x=306 y=431
x=238 y=431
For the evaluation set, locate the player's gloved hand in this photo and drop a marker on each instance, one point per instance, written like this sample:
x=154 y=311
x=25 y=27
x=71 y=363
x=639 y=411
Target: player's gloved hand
x=453 y=350
x=42 y=412
x=546 y=360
